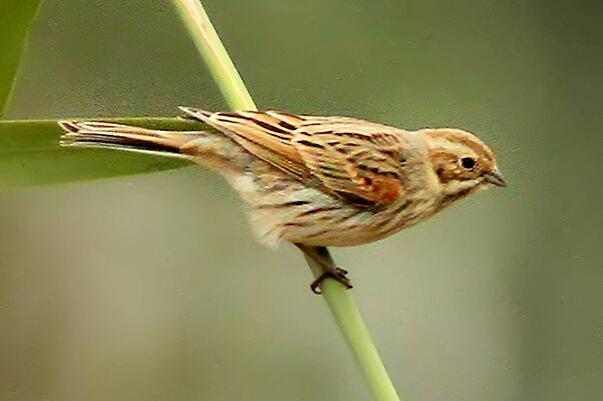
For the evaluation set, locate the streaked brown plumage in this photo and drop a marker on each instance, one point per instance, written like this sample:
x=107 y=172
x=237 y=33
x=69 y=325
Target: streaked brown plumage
x=318 y=181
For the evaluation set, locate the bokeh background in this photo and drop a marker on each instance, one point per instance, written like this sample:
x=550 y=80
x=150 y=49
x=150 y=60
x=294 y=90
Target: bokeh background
x=152 y=287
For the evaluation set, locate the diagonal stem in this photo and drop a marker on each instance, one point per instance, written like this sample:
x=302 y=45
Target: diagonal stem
x=354 y=330
x=14 y=37
x=214 y=53
x=338 y=298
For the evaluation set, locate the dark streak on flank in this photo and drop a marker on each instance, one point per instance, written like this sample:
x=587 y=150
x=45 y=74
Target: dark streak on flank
x=398 y=210
x=339 y=230
x=318 y=210
x=294 y=225
x=317 y=234
x=345 y=218
x=355 y=199
x=284 y=205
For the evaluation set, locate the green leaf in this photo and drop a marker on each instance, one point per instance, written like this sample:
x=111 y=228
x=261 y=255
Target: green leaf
x=30 y=154
x=17 y=19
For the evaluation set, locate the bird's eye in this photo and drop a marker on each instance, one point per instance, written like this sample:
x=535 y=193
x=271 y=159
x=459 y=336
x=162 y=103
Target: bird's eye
x=468 y=163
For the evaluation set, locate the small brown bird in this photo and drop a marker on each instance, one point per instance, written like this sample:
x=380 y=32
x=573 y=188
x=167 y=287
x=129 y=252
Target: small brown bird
x=318 y=181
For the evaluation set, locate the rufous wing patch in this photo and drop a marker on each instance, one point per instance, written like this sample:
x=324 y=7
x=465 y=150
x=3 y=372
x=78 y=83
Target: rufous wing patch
x=355 y=175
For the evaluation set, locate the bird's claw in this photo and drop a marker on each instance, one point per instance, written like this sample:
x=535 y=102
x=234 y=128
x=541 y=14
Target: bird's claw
x=339 y=275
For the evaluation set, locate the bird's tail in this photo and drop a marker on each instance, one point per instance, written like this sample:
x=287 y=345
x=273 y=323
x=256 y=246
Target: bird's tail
x=95 y=134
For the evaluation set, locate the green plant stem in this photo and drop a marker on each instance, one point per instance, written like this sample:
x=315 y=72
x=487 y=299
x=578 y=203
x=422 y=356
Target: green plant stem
x=354 y=330
x=338 y=298
x=214 y=53
x=18 y=17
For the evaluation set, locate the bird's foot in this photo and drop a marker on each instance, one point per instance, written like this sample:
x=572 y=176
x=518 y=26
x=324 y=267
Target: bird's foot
x=337 y=274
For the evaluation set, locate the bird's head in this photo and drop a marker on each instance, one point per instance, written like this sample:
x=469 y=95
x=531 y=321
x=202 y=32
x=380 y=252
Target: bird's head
x=461 y=161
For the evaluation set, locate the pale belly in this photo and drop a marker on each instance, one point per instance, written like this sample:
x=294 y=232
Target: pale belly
x=354 y=227
x=286 y=210
x=320 y=220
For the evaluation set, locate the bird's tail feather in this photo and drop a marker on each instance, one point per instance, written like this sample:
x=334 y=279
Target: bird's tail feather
x=95 y=134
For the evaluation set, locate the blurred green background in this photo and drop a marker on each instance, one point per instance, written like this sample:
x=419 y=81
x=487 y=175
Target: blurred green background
x=152 y=287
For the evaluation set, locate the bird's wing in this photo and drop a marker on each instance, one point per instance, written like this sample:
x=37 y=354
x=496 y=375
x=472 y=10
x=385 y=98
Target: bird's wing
x=357 y=159
x=267 y=135
x=352 y=158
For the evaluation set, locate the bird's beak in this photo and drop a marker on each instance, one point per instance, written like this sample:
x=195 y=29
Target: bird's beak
x=495 y=177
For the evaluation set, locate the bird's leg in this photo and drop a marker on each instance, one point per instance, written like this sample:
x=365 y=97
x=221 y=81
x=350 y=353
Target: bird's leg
x=320 y=255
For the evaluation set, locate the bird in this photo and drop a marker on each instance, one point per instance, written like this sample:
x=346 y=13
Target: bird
x=317 y=181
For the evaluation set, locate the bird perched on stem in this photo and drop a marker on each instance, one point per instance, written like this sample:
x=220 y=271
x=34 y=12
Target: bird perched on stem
x=318 y=181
